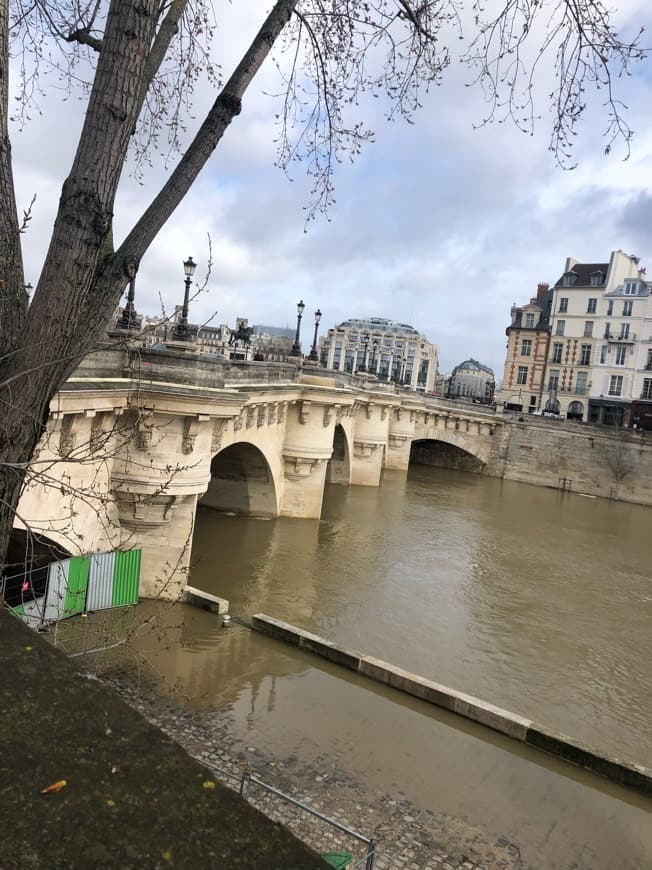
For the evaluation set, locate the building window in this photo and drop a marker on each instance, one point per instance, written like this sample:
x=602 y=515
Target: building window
x=585 y=355
x=592 y=307
x=621 y=354
x=522 y=375
x=624 y=330
x=569 y=279
x=526 y=347
x=561 y=325
x=648 y=364
x=553 y=382
x=627 y=308
x=603 y=354
x=533 y=399
x=647 y=389
x=580 y=383
x=596 y=279
x=529 y=321
x=630 y=288
x=563 y=304
x=610 y=307
x=557 y=350
x=588 y=328
x=615 y=385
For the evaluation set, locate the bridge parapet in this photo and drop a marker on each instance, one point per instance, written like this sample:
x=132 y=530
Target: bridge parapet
x=178 y=366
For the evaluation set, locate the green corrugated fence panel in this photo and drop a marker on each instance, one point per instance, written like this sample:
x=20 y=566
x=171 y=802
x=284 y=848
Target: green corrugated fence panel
x=77 y=583
x=126 y=576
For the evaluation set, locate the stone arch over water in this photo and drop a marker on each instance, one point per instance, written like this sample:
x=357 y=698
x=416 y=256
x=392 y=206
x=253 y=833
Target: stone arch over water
x=242 y=482
x=338 y=469
x=444 y=454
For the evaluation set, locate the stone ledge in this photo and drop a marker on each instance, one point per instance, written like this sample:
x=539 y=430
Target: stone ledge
x=631 y=775
x=204 y=600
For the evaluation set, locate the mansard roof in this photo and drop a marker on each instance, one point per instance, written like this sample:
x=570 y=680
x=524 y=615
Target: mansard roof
x=472 y=365
x=583 y=273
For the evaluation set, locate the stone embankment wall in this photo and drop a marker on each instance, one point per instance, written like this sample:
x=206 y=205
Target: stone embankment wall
x=596 y=460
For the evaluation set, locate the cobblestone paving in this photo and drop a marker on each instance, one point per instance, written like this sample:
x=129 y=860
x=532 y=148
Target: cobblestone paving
x=407 y=838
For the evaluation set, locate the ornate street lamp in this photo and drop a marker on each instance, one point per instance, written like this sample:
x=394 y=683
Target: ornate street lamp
x=365 y=343
x=296 y=347
x=374 y=346
x=313 y=351
x=180 y=332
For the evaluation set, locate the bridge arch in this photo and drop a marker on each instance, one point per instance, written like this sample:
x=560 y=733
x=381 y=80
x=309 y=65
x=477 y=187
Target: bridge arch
x=338 y=469
x=242 y=482
x=448 y=452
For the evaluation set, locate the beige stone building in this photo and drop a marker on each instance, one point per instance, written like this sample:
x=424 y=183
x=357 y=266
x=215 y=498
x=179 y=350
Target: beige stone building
x=583 y=350
x=598 y=340
x=471 y=379
x=390 y=350
x=527 y=352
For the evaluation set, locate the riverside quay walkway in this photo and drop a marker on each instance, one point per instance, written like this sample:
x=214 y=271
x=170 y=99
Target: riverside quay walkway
x=132 y=797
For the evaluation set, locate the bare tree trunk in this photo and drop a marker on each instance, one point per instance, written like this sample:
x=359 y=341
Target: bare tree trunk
x=13 y=298
x=46 y=349
x=82 y=278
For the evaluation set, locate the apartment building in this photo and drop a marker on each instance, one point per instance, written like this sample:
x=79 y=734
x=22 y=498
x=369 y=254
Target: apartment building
x=472 y=380
x=528 y=337
x=390 y=350
x=598 y=338
x=583 y=349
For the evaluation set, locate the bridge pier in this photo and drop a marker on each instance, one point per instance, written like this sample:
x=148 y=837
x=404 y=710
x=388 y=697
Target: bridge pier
x=399 y=439
x=306 y=450
x=369 y=443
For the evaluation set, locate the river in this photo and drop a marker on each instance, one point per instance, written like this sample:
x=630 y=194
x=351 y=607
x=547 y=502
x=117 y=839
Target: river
x=534 y=600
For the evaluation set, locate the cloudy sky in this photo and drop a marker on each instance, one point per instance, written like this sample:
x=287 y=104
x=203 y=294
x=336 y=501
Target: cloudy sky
x=436 y=223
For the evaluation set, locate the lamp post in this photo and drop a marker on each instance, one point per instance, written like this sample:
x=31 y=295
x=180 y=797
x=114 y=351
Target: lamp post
x=296 y=347
x=180 y=332
x=128 y=319
x=374 y=348
x=365 y=344
x=313 y=351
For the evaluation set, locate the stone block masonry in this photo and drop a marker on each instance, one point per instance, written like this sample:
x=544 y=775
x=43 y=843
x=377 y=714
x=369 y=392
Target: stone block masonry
x=596 y=460
x=631 y=775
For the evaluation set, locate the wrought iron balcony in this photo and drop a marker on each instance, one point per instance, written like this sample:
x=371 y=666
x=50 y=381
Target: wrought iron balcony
x=621 y=339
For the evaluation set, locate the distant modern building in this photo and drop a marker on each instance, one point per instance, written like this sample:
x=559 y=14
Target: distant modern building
x=472 y=380
x=528 y=336
x=390 y=350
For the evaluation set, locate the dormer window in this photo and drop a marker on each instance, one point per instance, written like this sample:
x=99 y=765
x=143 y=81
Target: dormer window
x=597 y=278
x=631 y=288
x=569 y=279
x=529 y=321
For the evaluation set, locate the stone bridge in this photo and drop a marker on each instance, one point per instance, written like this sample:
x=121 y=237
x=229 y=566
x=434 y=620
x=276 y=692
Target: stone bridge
x=136 y=441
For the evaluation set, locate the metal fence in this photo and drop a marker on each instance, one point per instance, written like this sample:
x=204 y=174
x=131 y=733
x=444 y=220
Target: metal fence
x=71 y=586
x=339 y=846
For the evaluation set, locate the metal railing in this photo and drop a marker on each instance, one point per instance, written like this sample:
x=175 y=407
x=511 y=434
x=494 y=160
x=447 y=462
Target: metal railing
x=325 y=835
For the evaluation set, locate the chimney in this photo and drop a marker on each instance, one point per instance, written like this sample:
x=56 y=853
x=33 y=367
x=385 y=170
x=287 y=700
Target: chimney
x=542 y=289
